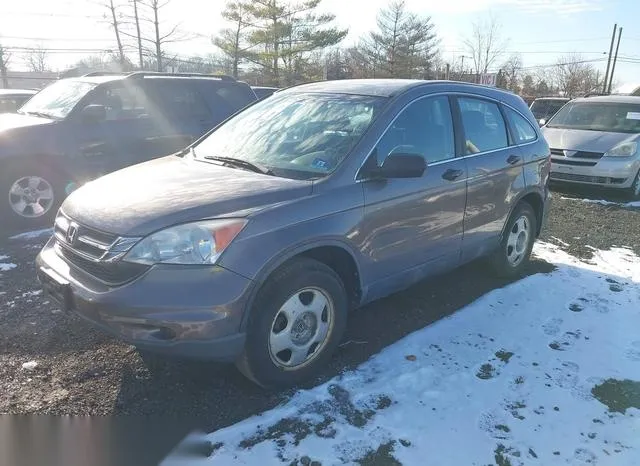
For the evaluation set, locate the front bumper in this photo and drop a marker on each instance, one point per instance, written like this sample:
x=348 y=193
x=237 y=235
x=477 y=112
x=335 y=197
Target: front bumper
x=607 y=172
x=182 y=310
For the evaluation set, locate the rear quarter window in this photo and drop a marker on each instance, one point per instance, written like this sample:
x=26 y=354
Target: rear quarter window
x=226 y=98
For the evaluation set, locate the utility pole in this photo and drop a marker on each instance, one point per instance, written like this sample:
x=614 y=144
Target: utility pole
x=606 y=74
x=448 y=71
x=615 y=59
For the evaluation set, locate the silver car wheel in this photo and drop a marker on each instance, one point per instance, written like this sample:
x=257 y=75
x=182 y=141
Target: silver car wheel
x=300 y=328
x=518 y=241
x=31 y=196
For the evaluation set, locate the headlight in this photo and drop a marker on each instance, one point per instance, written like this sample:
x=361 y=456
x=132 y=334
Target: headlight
x=193 y=243
x=625 y=149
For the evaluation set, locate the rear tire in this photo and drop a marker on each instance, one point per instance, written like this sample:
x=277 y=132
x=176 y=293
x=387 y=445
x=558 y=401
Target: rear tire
x=30 y=196
x=297 y=321
x=516 y=243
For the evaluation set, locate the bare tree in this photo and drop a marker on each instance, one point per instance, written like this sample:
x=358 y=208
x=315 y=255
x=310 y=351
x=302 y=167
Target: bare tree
x=36 y=59
x=574 y=76
x=114 y=20
x=153 y=34
x=136 y=19
x=485 y=45
x=511 y=70
x=4 y=64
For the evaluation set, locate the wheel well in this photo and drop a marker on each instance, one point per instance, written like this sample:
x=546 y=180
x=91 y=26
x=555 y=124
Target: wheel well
x=343 y=264
x=535 y=201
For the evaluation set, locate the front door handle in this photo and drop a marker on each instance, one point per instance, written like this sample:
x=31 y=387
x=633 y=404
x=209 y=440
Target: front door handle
x=452 y=175
x=513 y=159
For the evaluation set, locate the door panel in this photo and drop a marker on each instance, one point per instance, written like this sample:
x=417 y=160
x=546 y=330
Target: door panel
x=495 y=175
x=412 y=227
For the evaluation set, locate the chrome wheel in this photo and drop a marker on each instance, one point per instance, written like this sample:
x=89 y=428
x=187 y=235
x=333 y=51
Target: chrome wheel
x=518 y=241
x=31 y=196
x=300 y=328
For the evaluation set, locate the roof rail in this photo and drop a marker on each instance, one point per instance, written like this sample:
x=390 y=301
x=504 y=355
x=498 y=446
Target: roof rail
x=103 y=73
x=596 y=94
x=141 y=74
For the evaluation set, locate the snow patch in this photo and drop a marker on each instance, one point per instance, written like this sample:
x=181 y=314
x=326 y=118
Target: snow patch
x=30 y=365
x=509 y=377
x=603 y=202
x=4 y=267
x=33 y=234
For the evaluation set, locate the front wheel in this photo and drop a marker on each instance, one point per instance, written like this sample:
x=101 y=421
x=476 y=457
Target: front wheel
x=30 y=198
x=517 y=242
x=634 y=191
x=296 y=322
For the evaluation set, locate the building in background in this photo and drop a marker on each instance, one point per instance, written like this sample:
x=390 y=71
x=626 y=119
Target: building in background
x=29 y=79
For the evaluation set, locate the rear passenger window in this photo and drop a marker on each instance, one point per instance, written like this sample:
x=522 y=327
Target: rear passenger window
x=484 y=127
x=424 y=128
x=523 y=131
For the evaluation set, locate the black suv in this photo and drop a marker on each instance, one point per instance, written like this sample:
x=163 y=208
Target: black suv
x=78 y=129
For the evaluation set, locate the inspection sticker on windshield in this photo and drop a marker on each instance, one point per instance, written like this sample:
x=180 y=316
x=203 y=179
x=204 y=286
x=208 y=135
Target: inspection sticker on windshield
x=319 y=163
x=633 y=115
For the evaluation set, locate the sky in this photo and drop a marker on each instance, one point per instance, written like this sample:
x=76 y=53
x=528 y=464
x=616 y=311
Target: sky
x=542 y=31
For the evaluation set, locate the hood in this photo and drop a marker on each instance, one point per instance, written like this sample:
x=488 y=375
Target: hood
x=18 y=120
x=578 y=139
x=150 y=196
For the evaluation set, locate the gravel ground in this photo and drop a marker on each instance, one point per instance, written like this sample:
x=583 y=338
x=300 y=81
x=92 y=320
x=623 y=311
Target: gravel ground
x=81 y=371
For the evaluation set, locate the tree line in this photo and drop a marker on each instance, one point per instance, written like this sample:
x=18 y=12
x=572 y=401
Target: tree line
x=284 y=42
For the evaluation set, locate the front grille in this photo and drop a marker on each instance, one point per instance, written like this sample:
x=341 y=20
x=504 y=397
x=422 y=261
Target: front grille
x=112 y=273
x=580 y=163
x=89 y=250
x=586 y=178
x=581 y=154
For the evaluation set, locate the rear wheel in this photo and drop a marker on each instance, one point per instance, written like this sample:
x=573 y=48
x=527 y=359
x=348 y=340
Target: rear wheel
x=296 y=323
x=30 y=197
x=517 y=242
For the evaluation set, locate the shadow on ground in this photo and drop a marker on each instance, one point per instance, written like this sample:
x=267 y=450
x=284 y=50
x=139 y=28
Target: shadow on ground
x=213 y=395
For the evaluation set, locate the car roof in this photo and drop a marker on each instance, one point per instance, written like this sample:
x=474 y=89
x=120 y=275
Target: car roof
x=622 y=99
x=18 y=91
x=265 y=88
x=99 y=78
x=383 y=87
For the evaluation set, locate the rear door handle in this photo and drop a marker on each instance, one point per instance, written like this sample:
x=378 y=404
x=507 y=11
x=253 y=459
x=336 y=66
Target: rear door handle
x=452 y=175
x=513 y=159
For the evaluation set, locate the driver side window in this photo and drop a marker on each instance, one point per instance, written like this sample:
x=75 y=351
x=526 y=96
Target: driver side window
x=425 y=128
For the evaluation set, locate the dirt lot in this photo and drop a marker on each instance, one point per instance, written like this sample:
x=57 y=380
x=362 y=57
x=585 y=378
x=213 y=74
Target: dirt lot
x=73 y=369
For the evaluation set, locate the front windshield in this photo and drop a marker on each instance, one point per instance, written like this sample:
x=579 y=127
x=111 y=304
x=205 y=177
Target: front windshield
x=58 y=99
x=610 y=117
x=296 y=135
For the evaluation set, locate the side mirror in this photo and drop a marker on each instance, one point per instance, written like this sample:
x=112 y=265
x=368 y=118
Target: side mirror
x=542 y=122
x=94 y=113
x=396 y=165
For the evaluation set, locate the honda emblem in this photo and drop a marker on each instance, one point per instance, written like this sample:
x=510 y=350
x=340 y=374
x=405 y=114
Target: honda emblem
x=72 y=234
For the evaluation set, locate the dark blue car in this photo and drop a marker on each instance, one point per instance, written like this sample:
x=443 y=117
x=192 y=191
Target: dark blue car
x=78 y=129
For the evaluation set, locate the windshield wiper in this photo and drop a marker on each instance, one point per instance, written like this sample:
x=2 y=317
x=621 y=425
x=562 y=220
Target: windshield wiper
x=240 y=164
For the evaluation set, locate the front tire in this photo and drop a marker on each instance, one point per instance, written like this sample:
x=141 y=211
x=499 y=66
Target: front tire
x=634 y=191
x=30 y=197
x=297 y=321
x=516 y=243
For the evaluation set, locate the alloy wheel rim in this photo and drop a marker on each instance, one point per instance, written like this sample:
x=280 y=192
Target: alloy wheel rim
x=301 y=328
x=31 y=196
x=518 y=241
